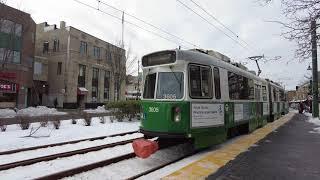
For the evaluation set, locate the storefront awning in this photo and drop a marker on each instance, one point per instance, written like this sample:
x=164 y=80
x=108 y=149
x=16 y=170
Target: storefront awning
x=82 y=91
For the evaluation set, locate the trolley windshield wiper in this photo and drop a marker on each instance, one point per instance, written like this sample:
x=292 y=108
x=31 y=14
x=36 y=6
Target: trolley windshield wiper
x=177 y=79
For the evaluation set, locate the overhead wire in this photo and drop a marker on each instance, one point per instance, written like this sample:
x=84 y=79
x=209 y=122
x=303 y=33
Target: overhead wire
x=222 y=24
x=206 y=20
x=148 y=23
x=133 y=24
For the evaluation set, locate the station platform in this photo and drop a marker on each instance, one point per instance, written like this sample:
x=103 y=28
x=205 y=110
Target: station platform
x=287 y=148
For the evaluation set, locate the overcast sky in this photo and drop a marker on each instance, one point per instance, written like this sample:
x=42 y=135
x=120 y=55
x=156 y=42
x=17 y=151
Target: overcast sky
x=247 y=18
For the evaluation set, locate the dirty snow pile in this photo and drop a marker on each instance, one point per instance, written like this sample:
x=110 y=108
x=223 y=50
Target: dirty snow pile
x=7 y=113
x=39 y=111
x=315 y=121
x=100 y=109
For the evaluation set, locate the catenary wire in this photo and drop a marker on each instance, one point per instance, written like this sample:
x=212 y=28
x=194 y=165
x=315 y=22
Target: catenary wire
x=148 y=23
x=206 y=20
x=217 y=20
x=135 y=25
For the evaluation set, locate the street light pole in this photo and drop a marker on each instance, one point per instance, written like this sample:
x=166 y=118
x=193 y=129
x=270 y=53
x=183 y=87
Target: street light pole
x=315 y=105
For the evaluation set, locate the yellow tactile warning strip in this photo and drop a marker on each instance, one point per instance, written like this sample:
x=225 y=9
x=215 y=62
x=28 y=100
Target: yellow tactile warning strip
x=220 y=157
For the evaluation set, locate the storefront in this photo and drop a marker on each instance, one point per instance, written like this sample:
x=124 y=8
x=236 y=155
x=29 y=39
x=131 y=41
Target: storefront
x=8 y=94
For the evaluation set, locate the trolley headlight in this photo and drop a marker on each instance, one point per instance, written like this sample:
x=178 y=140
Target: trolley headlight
x=177 y=114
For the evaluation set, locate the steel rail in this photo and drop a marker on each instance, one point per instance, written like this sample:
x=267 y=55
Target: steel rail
x=88 y=167
x=60 y=155
x=161 y=166
x=63 y=143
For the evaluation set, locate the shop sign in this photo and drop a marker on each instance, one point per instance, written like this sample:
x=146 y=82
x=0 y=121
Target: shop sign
x=7 y=87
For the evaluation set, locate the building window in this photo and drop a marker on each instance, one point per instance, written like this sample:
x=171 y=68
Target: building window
x=95 y=78
x=83 y=48
x=96 y=52
x=7 y=26
x=56 y=45
x=37 y=68
x=216 y=76
x=18 y=30
x=108 y=56
x=59 y=69
x=82 y=76
x=16 y=57
x=45 y=47
x=106 y=94
x=200 y=79
x=2 y=54
x=33 y=37
x=240 y=88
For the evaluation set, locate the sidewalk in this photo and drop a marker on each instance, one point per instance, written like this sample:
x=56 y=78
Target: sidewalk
x=292 y=152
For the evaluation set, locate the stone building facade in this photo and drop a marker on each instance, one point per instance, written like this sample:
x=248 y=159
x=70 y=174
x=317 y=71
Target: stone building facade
x=17 y=42
x=81 y=68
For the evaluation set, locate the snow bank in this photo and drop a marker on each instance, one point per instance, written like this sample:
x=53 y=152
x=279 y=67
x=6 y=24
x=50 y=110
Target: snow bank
x=315 y=121
x=38 y=111
x=7 y=113
x=100 y=109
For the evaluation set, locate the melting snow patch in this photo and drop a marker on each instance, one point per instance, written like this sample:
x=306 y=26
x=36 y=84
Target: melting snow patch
x=315 y=121
x=254 y=145
x=7 y=113
x=100 y=109
x=38 y=111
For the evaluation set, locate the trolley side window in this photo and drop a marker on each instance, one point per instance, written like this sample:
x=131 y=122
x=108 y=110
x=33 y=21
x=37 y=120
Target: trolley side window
x=257 y=92
x=149 y=86
x=200 y=79
x=275 y=97
x=282 y=96
x=216 y=76
x=264 y=93
x=240 y=87
x=170 y=85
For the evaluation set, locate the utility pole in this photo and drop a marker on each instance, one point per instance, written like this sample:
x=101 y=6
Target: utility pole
x=122 y=20
x=315 y=105
x=138 y=79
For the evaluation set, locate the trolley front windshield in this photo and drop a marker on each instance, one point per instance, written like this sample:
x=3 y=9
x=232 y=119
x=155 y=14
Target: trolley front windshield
x=169 y=86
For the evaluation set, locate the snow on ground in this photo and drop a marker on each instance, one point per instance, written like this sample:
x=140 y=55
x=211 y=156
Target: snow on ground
x=100 y=109
x=134 y=166
x=7 y=113
x=4 y=159
x=38 y=111
x=315 y=121
x=186 y=161
x=48 y=167
x=30 y=111
x=13 y=137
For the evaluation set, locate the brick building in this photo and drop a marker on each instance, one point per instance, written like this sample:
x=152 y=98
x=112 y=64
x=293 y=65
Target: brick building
x=81 y=68
x=17 y=41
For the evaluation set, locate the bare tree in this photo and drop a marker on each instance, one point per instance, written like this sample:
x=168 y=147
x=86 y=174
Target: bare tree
x=299 y=14
x=123 y=66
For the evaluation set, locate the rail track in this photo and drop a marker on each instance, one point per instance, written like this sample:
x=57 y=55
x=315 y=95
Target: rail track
x=66 y=154
x=88 y=167
x=64 y=143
